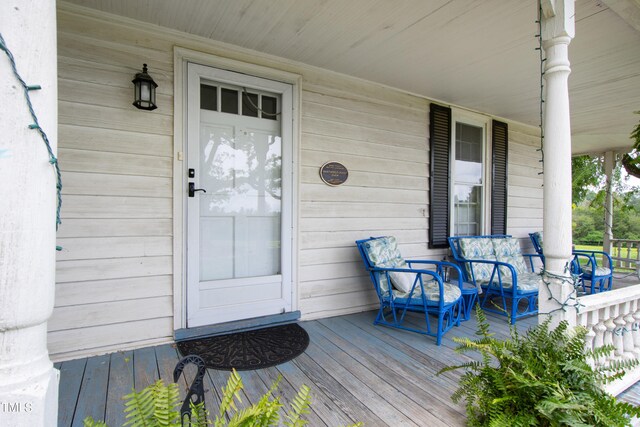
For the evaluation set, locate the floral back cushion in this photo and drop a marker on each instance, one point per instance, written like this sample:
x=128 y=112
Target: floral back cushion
x=538 y=237
x=384 y=253
x=479 y=249
x=508 y=250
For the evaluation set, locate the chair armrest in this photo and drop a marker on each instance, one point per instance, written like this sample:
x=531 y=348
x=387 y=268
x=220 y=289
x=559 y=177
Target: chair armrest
x=496 y=264
x=592 y=262
x=417 y=281
x=592 y=255
x=441 y=265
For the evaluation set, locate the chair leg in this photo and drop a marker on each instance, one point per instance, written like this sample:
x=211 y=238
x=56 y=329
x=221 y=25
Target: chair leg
x=468 y=302
x=440 y=328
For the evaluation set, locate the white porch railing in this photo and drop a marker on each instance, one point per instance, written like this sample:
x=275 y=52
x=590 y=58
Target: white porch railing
x=625 y=254
x=613 y=318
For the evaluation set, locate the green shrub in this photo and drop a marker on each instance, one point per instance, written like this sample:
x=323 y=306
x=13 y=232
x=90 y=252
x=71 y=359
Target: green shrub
x=540 y=379
x=158 y=405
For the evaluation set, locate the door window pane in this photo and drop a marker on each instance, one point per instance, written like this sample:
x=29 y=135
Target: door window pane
x=229 y=101
x=241 y=211
x=209 y=97
x=249 y=104
x=269 y=108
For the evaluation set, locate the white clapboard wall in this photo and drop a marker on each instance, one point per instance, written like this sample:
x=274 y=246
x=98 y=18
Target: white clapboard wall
x=114 y=280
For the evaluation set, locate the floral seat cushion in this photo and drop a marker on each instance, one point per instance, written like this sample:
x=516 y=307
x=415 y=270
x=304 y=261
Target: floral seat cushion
x=527 y=282
x=432 y=292
x=600 y=271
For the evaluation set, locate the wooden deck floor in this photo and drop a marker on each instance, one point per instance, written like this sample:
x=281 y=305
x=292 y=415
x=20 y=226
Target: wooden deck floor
x=356 y=371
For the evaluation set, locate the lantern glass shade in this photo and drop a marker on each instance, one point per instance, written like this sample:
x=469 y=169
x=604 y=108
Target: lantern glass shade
x=144 y=90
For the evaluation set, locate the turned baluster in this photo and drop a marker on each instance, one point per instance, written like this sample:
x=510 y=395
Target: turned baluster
x=636 y=330
x=620 y=332
x=609 y=335
x=598 y=340
x=589 y=344
x=629 y=346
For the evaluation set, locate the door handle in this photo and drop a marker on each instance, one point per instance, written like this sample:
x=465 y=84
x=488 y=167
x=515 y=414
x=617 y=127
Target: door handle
x=193 y=189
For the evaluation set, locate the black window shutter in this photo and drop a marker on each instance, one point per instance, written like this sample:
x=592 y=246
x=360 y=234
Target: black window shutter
x=440 y=148
x=500 y=149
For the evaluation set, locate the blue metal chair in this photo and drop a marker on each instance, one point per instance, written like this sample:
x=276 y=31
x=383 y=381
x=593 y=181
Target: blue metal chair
x=495 y=264
x=405 y=286
x=593 y=278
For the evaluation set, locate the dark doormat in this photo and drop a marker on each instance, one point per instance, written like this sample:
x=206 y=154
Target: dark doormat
x=248 y=350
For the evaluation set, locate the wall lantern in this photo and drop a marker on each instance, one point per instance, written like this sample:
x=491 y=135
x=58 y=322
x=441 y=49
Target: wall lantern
x=145 y=90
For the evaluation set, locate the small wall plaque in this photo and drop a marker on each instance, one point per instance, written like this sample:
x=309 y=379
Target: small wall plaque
x=333 y=173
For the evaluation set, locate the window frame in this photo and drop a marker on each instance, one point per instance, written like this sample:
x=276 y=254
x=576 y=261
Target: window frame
x=484 y=122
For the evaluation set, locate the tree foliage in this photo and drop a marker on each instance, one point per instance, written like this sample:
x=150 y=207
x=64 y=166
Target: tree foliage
x=631 y=161
x=589 y=216
x=586 y=172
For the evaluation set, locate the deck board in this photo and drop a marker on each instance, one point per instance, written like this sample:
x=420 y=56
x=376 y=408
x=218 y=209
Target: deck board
x=323 y=412
x=341 y=398
x=71 y=373
x=356 y=372
x=425 y=395
x=120 y=384
x=92 y=398
x=146 y=367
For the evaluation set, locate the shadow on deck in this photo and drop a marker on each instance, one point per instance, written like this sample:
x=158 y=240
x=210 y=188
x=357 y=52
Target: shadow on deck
x=356 y=371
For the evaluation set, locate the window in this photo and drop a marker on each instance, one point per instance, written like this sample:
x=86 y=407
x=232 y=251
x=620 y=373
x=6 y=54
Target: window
x=237 y=100
x=468 y=189
x=468 y=170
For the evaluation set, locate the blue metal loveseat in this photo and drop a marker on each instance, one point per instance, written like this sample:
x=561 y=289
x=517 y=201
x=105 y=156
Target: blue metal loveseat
x=495 y=264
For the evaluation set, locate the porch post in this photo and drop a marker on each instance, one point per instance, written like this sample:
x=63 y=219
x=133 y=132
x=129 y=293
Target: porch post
x=28 y=381
x=558 y=29
x=609 y=162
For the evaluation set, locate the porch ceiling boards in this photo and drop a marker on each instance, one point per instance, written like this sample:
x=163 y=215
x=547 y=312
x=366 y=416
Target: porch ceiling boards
x=475 y=54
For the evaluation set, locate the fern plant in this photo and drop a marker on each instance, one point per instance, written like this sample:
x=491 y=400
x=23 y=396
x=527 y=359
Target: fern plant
x=542 y=378
x=158 y=406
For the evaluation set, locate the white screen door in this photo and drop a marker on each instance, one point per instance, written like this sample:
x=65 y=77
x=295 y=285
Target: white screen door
x=239 y=205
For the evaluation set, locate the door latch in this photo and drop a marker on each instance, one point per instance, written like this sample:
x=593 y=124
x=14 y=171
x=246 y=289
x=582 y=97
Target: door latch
x=193 y=189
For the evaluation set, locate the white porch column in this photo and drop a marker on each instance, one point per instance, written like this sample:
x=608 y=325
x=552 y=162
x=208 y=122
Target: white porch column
x=557 y=31
x=609 y=162
x=28 y=381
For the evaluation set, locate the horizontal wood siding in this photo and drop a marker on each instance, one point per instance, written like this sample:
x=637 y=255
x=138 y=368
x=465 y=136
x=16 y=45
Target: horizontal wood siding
x=115 y=273
x=381 y=137
x=524 y=202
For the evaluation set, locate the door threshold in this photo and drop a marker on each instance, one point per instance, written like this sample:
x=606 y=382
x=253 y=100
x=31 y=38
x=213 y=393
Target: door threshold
x=236 y=326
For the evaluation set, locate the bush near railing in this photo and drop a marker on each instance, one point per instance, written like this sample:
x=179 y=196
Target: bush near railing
x=541 y=378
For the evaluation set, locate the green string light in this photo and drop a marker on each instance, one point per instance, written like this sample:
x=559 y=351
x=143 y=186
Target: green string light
x=572 y=299
x=36 y=126
x=542 y=60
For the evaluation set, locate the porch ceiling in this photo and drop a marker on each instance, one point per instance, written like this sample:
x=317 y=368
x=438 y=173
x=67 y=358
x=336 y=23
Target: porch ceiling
x=476 y=54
